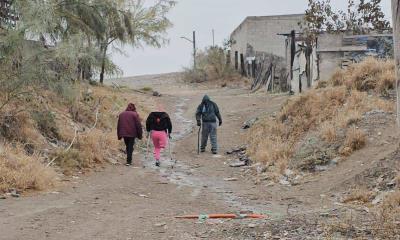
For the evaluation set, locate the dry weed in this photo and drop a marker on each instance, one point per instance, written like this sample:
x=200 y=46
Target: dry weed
x=360 y=196
x=328 y=132
x=22 y=172
x=329 y=110
x=370 y=74
x=355 y=140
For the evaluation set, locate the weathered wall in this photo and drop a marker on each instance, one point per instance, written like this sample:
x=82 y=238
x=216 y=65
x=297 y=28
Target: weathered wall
x=329 y=60
x=396 y=33
x=261 y=34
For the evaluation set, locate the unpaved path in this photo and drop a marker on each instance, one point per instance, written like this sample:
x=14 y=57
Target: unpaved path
x=140 y=203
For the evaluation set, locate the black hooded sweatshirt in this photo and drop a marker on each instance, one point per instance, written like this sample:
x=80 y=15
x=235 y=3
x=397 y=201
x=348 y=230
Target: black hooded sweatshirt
x=208 y=111
x=158 y=121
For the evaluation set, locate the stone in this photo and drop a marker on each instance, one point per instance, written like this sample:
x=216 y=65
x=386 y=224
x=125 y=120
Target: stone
x=161 y=224
x=156 y=94
x=252 y=225
x=237 y=164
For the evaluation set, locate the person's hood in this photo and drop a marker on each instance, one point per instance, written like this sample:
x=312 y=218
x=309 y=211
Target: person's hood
x=160 y=115
x=206 y=98
x=131 y=107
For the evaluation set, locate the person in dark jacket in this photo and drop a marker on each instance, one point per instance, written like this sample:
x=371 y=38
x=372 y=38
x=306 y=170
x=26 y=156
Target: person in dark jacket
x=129 y=128
x=208 y=113
x=159 y=128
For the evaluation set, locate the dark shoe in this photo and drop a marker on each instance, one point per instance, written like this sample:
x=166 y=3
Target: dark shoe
x=202 y=150
x=157 y=163
x=214 y=152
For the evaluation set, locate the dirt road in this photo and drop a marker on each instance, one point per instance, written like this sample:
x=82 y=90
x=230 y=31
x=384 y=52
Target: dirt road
x=140 y=203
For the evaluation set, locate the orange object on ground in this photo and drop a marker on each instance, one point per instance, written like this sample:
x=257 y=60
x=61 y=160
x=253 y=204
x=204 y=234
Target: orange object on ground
x=231 y=216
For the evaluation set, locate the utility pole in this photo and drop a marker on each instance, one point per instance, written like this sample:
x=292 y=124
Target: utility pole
x=193 y=41
x=194 y=50
x=213 y=36
x=396 y=38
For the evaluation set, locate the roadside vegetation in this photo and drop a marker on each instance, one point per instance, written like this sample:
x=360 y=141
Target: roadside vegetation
x=315 y=127
x=212 y=66
x=326 y=125
x=55 y=119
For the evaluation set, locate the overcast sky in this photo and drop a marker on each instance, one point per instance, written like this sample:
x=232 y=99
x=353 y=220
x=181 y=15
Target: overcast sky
x=204 y=15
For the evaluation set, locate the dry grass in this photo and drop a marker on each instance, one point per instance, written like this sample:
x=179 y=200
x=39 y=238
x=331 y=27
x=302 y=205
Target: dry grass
x=22 y=172
x=387 y=218
x=371 y=74
x=328 y=132
x=360 y=196
x=329 y=110
x=48 y=127
x=355 y=140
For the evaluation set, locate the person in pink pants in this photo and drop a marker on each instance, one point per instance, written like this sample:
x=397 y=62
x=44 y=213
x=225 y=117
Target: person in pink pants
x=160 y=141
x=159 y=127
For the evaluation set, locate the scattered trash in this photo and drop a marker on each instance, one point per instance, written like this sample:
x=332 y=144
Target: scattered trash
x=236 y=150
x=224 y=215
x=14 y=193
x=248 y=124
x=230 y=179
x=238 y=164
x=3 y=197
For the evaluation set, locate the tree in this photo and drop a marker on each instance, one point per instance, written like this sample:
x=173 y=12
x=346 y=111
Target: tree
x=134 y=24
x=361 y=17
x=8 y=16
x=396 y=36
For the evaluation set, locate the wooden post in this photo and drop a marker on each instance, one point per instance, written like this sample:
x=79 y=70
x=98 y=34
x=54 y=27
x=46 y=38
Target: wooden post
x=396 y=37
x=249 y=66
x=194 y=50
x=236 y=60
x=243 y=70
x=254 y=66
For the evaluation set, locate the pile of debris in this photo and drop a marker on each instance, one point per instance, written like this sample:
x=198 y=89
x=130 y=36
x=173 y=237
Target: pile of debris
x=240 y=155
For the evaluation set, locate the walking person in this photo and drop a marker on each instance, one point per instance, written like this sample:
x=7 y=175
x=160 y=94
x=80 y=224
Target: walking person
x=208 y=113
x=159 y=128
x=129 y=128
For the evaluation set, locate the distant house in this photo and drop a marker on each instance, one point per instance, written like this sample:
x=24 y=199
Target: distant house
x=309 y=64
x=257 y=35
x=273 y=51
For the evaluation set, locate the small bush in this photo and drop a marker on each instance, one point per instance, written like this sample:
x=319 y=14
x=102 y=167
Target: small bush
x=46 y=124
x=211 y=65
x=355 y=140
x=147 y=89
x=23 y=172
x=360 y=196
x=69 y=160
x=328 y=132
x=370 y=74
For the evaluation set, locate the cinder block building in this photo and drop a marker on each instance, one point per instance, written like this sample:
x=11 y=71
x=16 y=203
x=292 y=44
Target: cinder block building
x=260 y=35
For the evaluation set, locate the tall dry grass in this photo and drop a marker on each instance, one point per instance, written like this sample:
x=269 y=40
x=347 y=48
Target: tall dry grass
x=20 y=171
x=370 y=74
x=337 y=107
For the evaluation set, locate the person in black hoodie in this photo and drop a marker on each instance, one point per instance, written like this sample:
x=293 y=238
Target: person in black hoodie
x=208 y=113
x=159 y=128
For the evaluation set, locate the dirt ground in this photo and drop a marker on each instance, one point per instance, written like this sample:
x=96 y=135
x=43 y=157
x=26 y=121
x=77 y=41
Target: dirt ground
x=140 y=202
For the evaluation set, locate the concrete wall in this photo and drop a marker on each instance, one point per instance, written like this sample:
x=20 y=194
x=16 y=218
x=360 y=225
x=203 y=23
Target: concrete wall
x=261 y=34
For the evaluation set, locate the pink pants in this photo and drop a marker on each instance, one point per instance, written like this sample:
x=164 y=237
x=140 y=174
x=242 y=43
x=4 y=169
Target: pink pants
x=160 y=141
